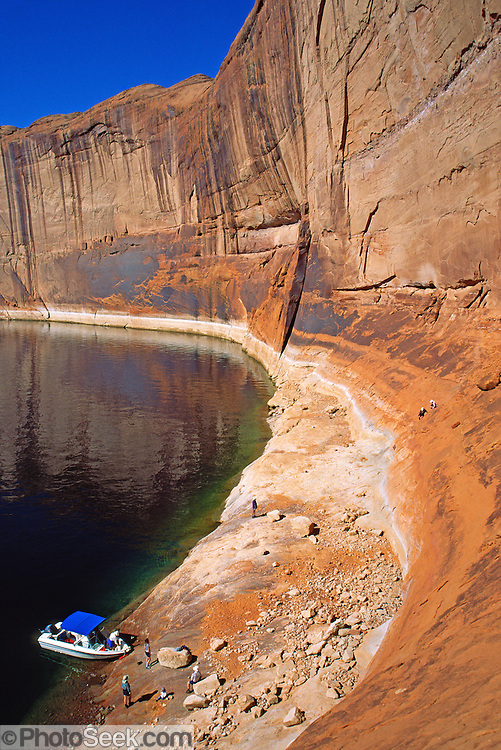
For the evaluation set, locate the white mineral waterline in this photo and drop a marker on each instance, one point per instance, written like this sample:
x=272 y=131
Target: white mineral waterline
x=274 y=364
x=376 y=437
x=386 y=439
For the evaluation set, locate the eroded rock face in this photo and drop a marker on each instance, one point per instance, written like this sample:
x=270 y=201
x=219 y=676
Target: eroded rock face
x=379 y=118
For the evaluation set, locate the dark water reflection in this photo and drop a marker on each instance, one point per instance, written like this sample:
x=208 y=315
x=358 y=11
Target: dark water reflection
x=117 y=449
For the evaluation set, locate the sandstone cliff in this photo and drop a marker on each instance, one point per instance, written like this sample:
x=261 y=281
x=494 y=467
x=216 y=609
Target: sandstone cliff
x=379 y=117
x=334 y=190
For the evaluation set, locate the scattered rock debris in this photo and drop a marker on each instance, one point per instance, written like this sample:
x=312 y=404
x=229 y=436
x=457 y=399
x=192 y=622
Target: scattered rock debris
x=312 y=629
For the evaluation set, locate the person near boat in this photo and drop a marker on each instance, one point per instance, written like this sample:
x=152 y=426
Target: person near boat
x=147 y=653
x=127 y=691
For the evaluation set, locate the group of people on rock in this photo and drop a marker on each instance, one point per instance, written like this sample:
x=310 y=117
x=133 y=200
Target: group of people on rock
x=423 y=411
x=194 y=677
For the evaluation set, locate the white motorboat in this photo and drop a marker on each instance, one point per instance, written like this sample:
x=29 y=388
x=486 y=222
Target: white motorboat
x=79 y=635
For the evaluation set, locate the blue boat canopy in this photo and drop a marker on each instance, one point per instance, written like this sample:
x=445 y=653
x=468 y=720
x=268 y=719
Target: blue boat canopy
x=82 y=623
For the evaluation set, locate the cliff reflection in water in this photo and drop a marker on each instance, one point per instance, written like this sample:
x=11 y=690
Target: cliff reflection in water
x=116 y=450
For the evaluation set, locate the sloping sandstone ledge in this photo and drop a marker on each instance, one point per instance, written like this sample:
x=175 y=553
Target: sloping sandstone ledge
x=433 y=675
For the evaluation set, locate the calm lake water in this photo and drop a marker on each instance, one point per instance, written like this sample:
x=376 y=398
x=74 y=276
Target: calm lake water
x=117 y=450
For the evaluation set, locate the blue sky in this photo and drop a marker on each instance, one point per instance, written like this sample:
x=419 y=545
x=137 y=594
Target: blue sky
x=59 y=57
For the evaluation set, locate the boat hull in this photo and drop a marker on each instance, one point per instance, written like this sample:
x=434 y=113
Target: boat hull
x=70 y=649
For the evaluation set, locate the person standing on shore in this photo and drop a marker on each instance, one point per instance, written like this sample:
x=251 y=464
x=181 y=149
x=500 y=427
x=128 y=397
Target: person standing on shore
x=254 y=507
x=126 y=690
x=147 y=653
x=194 y=677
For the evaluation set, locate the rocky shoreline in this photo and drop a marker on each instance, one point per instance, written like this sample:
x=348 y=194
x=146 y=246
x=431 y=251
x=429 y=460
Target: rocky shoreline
x=327 y=462
x=332 y=592
x=283 y=611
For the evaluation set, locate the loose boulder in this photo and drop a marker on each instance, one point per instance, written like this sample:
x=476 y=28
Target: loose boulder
x=353 y=619
x=208 y=686
x=315 y=633
x=274 y=515
x=245 y=702
x=348 y=655
x=308 y=613
x=192 y=702
x=295 y=716
x=271 y=699
x=302 y=525
x=489 y=381
x=217 y=644
x=315 y=648
x=171 y=657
